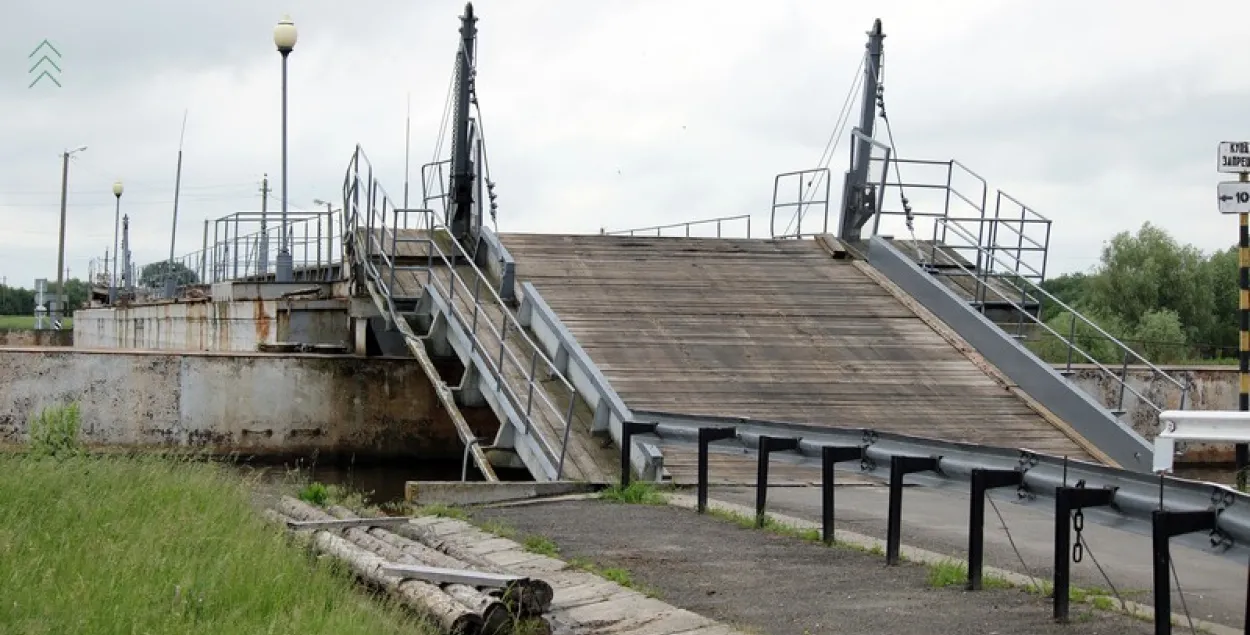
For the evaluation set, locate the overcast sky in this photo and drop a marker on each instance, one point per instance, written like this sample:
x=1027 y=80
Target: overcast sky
x=614 y=113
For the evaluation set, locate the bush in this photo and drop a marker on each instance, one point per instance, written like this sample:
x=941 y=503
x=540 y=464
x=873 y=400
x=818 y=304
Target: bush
x=54 y=431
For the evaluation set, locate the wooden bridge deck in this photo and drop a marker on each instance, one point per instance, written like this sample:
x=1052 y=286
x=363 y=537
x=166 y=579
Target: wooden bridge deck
x=772 y=330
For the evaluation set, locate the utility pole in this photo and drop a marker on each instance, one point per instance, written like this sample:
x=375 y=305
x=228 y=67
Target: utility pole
x=264 y=225
x=1234 y=198
x=858 y=204
x=127 y=271
x=407 y=146
x=171 y=281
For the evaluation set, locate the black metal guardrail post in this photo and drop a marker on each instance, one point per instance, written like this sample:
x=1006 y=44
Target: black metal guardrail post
x=628 y=430
x=768 y=445
x=1067 y=500
x=1164 y=525
x=706 y=437
x=901 y=466
x=829 y=456
x=983 y=480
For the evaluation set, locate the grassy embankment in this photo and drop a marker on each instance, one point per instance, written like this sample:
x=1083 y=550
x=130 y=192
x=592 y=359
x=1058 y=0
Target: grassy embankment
x=149 y=544
x=27 y=322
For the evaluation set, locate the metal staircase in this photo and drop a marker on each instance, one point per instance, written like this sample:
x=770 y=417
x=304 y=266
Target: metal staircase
x=431 y=290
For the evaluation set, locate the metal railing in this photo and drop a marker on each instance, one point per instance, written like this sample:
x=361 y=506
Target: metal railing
x=513 y=361
x=1027 y=288
x=952 y=194
x=807 y=186
x=314 y=240
x=658 y=230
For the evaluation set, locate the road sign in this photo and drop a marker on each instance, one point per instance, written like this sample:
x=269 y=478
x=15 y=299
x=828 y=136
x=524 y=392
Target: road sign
x=1234 y=156
x=1234 y=197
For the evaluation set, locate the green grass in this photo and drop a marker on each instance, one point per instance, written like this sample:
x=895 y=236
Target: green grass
x=637 y=493
x=541 y=545
x=613 y=574
x=27 y=322
x=954 y=573
x=158 y=545
x=55 y=431
x=445 y=511
x=946 y=573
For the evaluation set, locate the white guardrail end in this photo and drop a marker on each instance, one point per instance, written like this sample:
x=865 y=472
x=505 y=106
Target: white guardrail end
x=1218 y=426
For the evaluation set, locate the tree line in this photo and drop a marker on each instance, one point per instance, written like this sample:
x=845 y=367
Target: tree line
x=21 y=301
x=1171 y=303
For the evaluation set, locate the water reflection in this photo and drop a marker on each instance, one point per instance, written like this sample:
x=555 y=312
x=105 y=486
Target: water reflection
x=1219 y=474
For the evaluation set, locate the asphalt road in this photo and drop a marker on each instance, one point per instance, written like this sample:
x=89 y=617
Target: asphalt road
x=937 y=520
x=766 y=583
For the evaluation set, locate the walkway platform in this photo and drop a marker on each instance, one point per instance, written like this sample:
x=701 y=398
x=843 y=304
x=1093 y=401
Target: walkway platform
x=773 y=330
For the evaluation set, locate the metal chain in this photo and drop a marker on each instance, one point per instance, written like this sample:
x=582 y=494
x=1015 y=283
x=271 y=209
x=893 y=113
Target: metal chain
x=1078 y=525
x=1012 y=542
x=1181 y=592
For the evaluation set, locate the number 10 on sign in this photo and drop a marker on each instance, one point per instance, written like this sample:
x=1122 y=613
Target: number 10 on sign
x=1234 y=197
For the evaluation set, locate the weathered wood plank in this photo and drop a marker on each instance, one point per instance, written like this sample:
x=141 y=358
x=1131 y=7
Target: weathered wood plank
x=768 y=329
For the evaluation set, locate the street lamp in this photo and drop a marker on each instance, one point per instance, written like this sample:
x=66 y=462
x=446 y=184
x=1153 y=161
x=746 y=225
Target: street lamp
x=60 y=256
x=284 y=37
x=117 y=193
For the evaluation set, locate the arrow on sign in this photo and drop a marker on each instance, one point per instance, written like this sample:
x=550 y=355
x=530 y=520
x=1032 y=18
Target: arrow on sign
x=1234 y=197
x=43 y=59
x=43 y=75
x=40 y=69
x=40 y=47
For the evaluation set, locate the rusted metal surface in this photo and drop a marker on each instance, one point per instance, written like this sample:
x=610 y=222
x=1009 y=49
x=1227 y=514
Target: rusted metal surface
x=31 y=337
x=236 y=325
x=374 y=408
x=1212 y=388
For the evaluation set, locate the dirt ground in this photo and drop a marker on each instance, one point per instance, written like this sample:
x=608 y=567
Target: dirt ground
x=777 y=585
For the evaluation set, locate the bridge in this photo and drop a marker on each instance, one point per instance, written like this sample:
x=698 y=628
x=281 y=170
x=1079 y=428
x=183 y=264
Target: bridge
x=884 y=321
x=567 y=338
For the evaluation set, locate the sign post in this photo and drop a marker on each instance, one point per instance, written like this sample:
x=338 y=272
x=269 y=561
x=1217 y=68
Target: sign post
x=1234 y=198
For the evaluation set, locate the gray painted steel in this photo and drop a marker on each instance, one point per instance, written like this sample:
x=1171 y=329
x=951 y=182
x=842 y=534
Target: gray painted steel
x=609 y=410
x=1037 y=378
x=1136 y=494
x=492 y=256
x=439 y=575
x=539 y=454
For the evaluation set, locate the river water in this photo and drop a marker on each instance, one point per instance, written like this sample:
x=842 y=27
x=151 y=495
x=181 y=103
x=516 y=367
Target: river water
x=1220 y=474
x=378 y=483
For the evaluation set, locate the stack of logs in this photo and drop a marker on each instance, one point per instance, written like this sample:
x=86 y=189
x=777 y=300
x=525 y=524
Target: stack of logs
x=457 y=608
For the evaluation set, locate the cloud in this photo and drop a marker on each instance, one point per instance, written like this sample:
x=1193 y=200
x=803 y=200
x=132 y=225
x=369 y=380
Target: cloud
x=612 y=114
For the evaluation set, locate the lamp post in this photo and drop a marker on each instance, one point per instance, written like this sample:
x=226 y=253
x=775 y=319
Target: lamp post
x=60 y=255
x=284 y=36
x=117 y=193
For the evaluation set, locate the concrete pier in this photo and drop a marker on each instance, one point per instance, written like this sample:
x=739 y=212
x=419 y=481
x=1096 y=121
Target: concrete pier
x=252 y=403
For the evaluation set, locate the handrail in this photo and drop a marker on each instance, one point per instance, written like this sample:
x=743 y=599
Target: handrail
x=509 y=325
x=687 y=225
x=376 y=246
x=226 y=258
x=1128 y=351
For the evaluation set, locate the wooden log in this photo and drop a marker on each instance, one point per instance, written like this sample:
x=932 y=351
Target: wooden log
x=540 y=589
x=532 y=597
x=427 y=599
x=494 y=614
